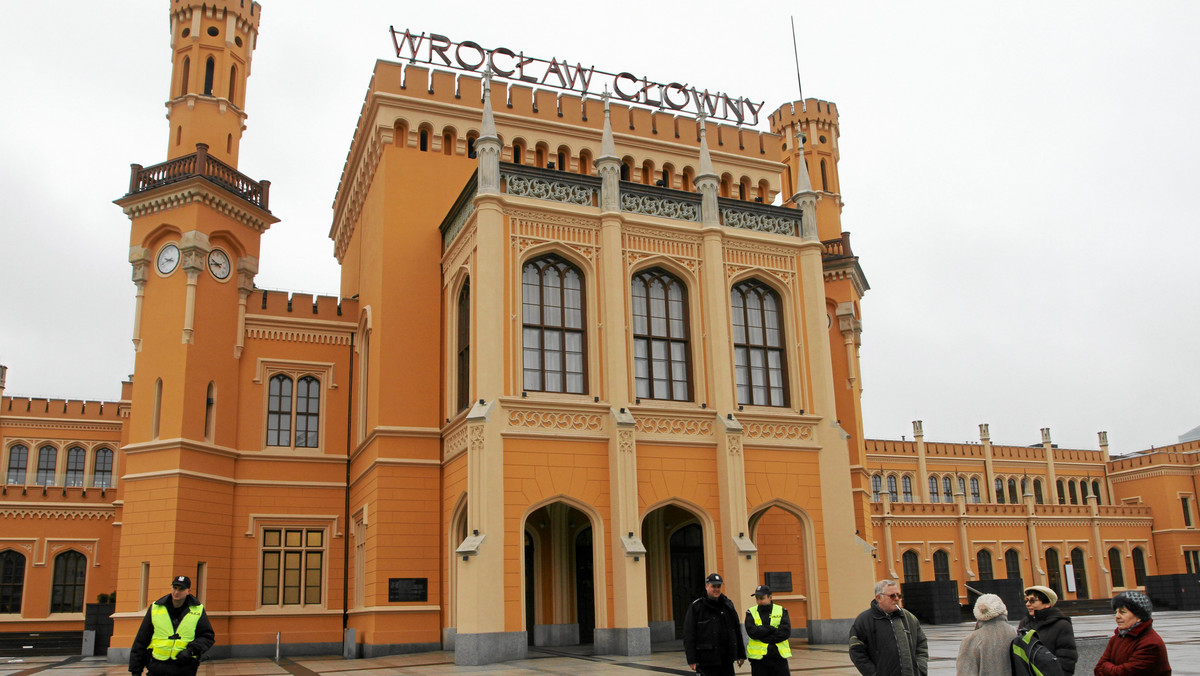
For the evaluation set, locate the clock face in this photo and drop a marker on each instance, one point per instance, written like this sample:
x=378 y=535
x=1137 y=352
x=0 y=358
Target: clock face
x=218 y=264
x=167 y=260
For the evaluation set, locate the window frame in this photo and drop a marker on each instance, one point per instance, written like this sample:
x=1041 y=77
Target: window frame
x=906 y=488
x=306 y=528
x=646 y=277
x=24 y=466
x=12 y=591
x=1116 y=571
x=941 y=565
x=462 y=352
x=764 y=291
x=1012 y=571
x=59 y=587
x=984 y=567
x=910 y=566
x=563 y=330
x=322 y=373
x=78 y=453
x=52 y=469
x=96 y=454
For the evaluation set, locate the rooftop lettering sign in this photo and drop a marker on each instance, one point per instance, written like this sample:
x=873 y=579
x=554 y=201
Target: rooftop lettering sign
x=439 y=50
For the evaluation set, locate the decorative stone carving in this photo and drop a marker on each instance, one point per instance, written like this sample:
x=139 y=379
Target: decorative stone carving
x=734 y=444
x=781 y=431
x=746 y=220
x=674 y=426
x=555 y=191
x=625 y=441
x=460 y=219
x=554 y=420
x=661 y=207
x=475 y=438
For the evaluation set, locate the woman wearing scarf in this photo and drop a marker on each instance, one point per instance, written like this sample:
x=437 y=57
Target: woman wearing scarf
x=1135 y=649
x=1053 y=628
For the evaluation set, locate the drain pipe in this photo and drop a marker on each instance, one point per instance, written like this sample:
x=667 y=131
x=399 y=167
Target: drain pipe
x=346 y=491
x=276 y=647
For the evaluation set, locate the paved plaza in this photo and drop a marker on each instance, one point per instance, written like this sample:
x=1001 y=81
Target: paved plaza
x=1180 y=630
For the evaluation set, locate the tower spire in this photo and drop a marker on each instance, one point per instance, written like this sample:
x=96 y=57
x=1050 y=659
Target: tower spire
x=487 y=146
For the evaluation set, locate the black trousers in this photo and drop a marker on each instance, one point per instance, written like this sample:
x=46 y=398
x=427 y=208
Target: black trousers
x=715 y=669
x=770 y=665
x=179 y=667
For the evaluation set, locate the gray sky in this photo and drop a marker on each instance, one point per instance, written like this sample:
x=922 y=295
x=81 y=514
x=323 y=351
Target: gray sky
x=1020 y=180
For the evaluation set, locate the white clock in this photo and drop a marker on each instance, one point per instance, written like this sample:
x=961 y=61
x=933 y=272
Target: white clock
x=218 y=264
x=167 y=259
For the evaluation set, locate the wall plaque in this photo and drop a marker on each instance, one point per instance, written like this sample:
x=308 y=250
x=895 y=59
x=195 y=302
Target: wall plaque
x=401 y=589
x=778 y=582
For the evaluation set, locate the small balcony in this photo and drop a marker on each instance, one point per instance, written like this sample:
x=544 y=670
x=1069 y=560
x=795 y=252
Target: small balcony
x=200 y=165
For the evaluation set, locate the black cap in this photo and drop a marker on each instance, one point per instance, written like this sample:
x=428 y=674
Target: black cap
x=713 y=578
x=762 y=590
x=182 y=581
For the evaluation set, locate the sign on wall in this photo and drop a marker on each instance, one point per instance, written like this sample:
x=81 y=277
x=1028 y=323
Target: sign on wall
x=677 y=97
x=401 y=589
x=778 y=582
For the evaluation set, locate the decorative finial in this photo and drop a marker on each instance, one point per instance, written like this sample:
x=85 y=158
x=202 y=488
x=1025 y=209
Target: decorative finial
x=605 y=96
x=487 y=82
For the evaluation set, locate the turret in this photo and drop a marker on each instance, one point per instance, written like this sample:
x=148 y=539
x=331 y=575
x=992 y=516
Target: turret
x=809 y=150
x=211 y=46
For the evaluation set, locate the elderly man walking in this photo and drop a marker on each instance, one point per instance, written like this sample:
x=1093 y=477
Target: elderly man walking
x=886 y=640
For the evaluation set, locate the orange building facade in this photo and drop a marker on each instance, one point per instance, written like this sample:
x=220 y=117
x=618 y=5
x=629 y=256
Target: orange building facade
x=578 y=361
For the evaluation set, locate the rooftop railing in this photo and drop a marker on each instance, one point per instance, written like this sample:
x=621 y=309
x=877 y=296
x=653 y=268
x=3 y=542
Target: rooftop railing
x=199 y=164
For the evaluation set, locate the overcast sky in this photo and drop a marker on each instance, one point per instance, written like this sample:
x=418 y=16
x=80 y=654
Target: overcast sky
x=1020 y=179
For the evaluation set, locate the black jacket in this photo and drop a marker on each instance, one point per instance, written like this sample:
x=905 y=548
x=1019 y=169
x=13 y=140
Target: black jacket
x=712 y=633
x=873 y=642
x=1055 y=632
x=140 y=657
x=765 y=632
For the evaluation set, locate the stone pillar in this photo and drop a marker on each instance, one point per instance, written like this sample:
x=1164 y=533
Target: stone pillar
x=247 y=267
x=1051 y=475
x=964 y=544
x=1031 y=537
x=985 y=438
x=1108 y=489
x=922 y=471
x=139 y=258
x=1101 y=554
x=193 y=258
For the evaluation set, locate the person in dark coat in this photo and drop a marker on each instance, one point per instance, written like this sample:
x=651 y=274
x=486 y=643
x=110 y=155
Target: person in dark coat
x=712 y=634
x=1135 y=649
x=1054 y=629
x=887 y=640
x=769 y=629
x=174 y=634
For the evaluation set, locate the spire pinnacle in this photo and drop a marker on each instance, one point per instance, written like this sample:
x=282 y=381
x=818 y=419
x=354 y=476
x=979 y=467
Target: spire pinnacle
x=488 y=127
x=608 y=147
x=706 y=165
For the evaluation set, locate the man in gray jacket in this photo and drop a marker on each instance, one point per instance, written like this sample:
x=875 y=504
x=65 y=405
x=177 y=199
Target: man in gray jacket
x=886 y=640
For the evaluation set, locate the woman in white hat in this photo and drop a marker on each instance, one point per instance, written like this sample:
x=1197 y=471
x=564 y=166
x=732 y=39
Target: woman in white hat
x=1053 y=628
x=985 y=651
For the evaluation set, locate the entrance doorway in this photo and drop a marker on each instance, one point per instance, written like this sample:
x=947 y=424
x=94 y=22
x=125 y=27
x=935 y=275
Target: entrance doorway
x=560 y=604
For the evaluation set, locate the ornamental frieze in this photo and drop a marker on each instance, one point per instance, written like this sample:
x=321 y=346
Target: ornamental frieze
x=669 y=426
x=556 y=421
x=780 y=431
x=39 y=513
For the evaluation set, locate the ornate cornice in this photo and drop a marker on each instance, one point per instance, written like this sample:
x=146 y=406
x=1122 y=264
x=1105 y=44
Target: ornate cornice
x=57 y=512
x=363 y=173
x=195 y=191
x=25 y=422
x=298 y=330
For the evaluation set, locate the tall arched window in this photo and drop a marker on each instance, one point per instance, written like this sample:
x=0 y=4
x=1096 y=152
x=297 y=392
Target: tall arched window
x=975 y=497
x=1096 y=492
x=70 y=574
x=12 y=581
x=1071 y=490
x=18 y=462
x=76 y=458
x=892 y=494
x=908 y=493
x=210 y=404
x=1083 y=492
x=941 y=565
x=1012 y=491
x=1000 y=490
x=232 y=82
x=553 y=315
x=933 y=489
x=1037 y=492
x=47 y=459
x=183 y=83
x=1079 y=563
x=308 y=412
x=947 y=490
x=1062 y=496
x=518 y=153
x=209 y=67
x=1139 y=566
x=1012 y=564
x=1114 y=567
x=759 y=356
x=983 y=562
x=463 y=364
x=279 y=411
x=876 y=487
x=912 y=566
x=824 y=177
x=102 y=470
x=156 y=420
x=423 y=140
x=661 y=351
x=962 y=487
x=1054 y=571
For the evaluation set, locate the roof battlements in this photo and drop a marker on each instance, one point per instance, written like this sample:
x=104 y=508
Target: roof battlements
x=38 y=407
x=293 y=304
x=248 y=13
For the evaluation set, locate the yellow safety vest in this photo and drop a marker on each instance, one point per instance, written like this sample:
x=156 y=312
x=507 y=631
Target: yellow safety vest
x=163 y=647
x=755 y=649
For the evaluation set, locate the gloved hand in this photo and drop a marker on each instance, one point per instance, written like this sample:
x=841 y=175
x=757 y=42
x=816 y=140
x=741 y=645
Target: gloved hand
x=188 y=653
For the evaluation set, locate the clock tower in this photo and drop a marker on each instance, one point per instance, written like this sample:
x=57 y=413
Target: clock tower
x=196 y=225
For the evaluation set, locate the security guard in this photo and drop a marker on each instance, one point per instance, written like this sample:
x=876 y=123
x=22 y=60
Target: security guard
x=174 y=634
x=768 y=627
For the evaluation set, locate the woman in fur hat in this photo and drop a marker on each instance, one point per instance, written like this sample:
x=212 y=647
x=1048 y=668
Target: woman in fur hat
x=1053 y=628
x=1135 y=649
x=985 y=651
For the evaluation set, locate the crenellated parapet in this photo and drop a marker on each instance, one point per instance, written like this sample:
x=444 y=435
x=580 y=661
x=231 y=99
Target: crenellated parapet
x=36 y=407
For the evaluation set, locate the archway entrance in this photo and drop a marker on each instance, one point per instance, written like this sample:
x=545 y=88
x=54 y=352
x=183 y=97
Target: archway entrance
x=783 y=561
x=675 y=557
x=560 y=606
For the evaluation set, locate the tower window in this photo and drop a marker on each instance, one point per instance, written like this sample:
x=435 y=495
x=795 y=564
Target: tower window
x=209 y=68
x=562 y=161
x=464 y=347
x=187 y=67
x=471 y=147
x=213 y=31
x=232 y=82
x=424 y=141
x=210 y=402
x=518 y=154
x=824 y=178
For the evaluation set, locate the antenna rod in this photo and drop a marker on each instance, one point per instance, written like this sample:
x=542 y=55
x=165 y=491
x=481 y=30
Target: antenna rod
x=796 y=52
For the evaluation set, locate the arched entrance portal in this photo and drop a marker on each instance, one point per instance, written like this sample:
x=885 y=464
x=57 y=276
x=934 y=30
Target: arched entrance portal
x=785 y=556
x=560 y=607
x=675 y=568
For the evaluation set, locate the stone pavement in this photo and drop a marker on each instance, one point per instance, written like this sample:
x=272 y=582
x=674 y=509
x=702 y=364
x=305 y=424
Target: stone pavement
x=1180 y=630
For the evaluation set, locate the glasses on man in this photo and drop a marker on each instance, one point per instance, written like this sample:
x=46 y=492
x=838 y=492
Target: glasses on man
x=894 y=597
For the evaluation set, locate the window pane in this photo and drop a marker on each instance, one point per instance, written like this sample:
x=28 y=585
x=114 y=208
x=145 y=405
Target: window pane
x=291 y=538
x=315 y=537
x=271 y=538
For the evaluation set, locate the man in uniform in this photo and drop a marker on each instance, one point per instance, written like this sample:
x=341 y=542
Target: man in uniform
x=712 y=637
x=769 y=628
x=174 y=634
x=886 y=640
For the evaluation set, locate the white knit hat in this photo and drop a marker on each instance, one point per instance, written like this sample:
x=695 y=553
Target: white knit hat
x=989 y=606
